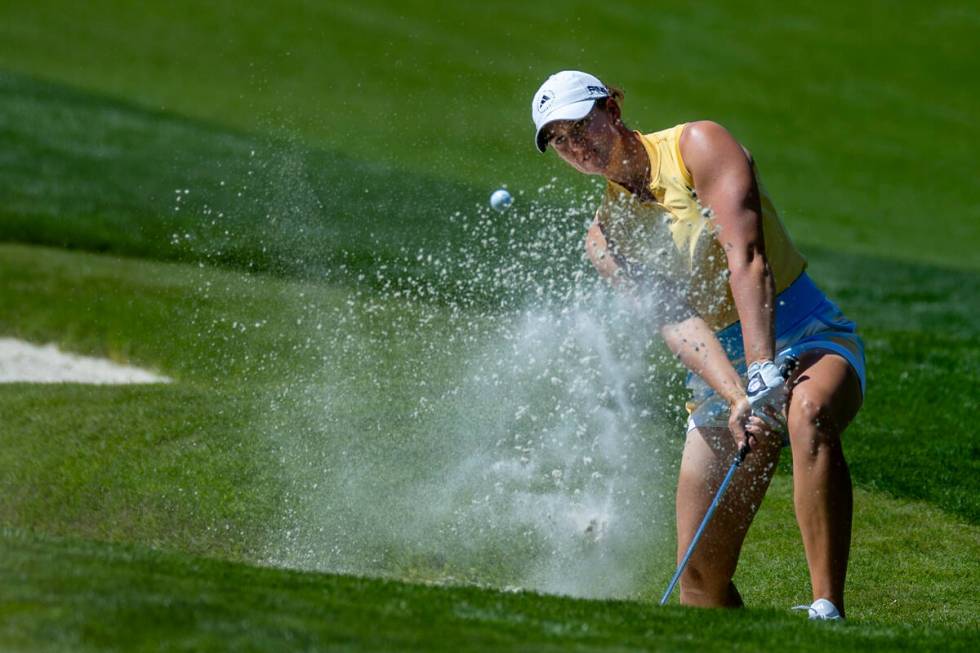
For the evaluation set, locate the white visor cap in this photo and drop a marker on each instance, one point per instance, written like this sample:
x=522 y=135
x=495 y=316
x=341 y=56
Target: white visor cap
x=568 y=95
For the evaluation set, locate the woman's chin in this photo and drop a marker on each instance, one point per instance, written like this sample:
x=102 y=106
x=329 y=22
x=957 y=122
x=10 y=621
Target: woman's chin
x=589 y=167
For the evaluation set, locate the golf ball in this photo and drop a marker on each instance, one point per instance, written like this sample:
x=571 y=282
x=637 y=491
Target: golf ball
x=501 y=200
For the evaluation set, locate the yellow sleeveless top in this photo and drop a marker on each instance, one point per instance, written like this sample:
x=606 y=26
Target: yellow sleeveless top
x=676 y=236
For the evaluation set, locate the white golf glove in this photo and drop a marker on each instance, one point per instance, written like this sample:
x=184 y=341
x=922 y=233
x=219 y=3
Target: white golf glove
x=766 y=390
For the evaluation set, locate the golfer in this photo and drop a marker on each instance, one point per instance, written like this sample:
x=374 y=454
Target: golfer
x=685 y=219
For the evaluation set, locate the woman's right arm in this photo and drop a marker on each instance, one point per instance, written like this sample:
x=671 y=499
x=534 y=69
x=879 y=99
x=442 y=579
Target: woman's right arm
x=689 y=337
x=696 y=345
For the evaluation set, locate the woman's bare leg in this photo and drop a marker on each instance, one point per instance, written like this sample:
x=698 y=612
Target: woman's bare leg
x=826 y=396
x=708 y=453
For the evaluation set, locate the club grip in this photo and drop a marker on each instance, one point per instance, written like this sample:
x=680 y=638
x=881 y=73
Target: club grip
x=743 y=451
x=788 y=366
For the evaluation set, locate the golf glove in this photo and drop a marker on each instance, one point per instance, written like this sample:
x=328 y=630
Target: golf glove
x=766 y=389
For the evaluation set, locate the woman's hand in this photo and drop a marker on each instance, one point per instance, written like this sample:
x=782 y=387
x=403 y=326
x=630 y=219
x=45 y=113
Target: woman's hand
x=602 y=259
x=745 y=426
x=738 y=418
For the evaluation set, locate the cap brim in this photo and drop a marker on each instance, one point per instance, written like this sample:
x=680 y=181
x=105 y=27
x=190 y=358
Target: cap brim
x=574 y=111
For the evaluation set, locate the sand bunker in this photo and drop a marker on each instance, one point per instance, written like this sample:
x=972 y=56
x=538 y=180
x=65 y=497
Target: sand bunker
x=23 y=362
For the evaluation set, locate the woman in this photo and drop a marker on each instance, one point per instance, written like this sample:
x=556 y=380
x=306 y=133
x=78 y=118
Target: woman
x=684 y=214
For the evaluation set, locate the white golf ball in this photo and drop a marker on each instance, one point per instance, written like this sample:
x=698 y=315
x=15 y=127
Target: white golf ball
x=501 y=200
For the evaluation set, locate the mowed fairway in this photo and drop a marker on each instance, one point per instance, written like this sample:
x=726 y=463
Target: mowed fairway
x=275 y=207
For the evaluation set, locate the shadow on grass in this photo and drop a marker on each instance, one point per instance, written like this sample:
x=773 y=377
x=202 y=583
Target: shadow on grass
x=83 y=171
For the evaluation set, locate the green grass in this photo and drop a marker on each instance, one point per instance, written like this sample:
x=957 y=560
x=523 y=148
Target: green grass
x=323 y=146
x=170 y=466
x=67 y=594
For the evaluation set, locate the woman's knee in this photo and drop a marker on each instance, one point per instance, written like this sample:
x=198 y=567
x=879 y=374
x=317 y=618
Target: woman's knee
x=825 y=397
x=812 y=424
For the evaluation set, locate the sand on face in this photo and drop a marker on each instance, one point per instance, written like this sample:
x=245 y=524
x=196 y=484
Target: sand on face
x=22 y=362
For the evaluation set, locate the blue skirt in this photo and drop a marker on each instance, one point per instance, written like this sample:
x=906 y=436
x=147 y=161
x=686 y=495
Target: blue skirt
x=805 y=320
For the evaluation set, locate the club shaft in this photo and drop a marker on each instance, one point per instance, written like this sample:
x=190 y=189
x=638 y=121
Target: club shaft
x=704 y=523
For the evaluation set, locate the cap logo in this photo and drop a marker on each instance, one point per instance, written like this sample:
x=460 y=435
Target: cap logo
x=545 y=101
x=597 y=91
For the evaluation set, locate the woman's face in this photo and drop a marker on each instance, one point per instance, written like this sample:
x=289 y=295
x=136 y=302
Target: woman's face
x=585 y=144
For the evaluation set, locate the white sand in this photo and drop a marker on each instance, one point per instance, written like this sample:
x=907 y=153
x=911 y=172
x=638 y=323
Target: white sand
x=21 y=361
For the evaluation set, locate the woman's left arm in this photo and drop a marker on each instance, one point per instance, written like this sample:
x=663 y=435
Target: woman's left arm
x=725 y=183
